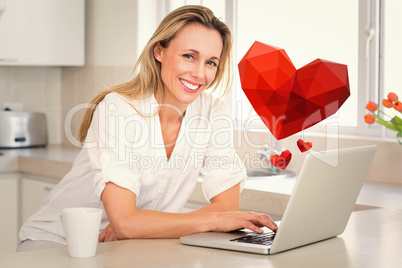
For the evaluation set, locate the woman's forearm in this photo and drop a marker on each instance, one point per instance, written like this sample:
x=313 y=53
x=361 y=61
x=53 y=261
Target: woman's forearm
x=127 y=221
x=155 y=224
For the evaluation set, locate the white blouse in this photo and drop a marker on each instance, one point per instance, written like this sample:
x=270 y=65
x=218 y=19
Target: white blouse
x=124 y=145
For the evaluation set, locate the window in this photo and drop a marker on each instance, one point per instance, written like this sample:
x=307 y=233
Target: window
x=344 y=31
x=391 y=44
x=307 y=30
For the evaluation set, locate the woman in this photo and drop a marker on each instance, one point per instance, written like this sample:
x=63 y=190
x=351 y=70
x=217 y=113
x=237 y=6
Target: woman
x=147 y=141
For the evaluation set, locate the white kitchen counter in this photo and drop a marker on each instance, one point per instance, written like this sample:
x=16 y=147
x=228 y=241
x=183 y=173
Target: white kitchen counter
x=372 y=239
x=58 y=153
x=53 y=161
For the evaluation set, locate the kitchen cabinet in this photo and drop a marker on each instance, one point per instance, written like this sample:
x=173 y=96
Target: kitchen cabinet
x=9 y=212
x=42 y=32
x=34 y=190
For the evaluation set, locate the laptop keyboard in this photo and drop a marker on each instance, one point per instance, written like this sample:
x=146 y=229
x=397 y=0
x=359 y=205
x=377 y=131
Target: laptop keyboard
x=259 y=239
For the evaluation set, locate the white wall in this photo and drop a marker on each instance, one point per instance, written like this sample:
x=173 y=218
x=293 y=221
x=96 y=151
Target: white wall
x=111 y=34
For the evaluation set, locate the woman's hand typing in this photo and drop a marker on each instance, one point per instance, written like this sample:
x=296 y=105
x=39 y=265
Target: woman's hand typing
x=230 y=221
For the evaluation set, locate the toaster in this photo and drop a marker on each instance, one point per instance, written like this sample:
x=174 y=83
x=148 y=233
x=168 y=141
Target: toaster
x=20 y=129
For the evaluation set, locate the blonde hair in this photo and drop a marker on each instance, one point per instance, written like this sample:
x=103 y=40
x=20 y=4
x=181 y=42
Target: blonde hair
x=148 y=78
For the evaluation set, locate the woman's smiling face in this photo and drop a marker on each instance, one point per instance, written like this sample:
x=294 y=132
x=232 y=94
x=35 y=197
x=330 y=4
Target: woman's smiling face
x=189 y=63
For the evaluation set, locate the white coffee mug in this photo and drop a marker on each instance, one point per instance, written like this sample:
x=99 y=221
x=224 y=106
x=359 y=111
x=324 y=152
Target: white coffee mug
x=81 y=226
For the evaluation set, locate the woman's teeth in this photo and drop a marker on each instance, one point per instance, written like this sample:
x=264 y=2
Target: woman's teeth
x=189 y=85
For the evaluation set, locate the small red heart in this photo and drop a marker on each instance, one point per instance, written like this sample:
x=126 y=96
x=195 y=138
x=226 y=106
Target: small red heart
x=304 y=146
x=289 y=100
x=281 y=161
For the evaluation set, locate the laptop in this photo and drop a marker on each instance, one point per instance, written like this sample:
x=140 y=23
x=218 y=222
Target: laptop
x=319 y=207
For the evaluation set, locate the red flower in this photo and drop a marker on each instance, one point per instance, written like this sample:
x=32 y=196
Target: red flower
x=397 y=106
x=387 y=103
x=304 y=146
x=369 y=118
x=391 y=122
x=372 y=106
x=392 y=97
x=281 y=161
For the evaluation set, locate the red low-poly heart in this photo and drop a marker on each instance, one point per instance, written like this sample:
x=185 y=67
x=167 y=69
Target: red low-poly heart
x=304 y=146
x=281 y=161
x=289 y=100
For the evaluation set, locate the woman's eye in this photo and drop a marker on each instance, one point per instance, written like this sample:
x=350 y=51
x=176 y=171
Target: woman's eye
x=188 y=56
x=212 y=63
